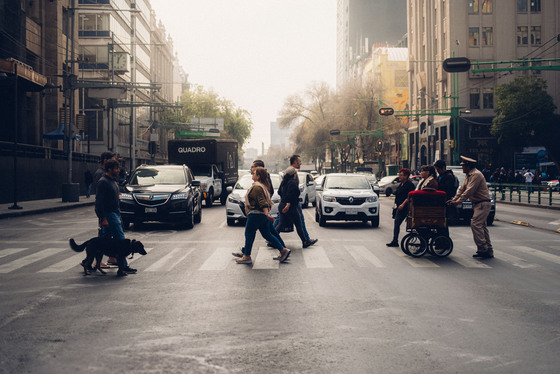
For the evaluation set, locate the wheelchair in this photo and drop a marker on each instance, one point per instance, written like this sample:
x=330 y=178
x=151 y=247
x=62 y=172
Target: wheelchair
x=426 y=224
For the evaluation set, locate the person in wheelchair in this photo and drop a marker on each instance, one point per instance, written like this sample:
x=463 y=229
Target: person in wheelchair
x=429 y=179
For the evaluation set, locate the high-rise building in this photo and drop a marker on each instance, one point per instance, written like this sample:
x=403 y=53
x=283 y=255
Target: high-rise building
x=360 y=24
x=278 y=136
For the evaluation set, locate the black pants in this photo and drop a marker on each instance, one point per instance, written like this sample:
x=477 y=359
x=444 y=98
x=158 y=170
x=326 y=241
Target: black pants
x=399 y=218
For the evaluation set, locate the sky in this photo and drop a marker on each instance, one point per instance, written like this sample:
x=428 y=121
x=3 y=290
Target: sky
x=254 y=53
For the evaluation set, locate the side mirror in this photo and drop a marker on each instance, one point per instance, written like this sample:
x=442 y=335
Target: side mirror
x=195 y=183
x=229 y=189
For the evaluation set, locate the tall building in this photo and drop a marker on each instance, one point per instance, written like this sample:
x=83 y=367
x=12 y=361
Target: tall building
x=482 y=31
x=278 y=136
x=361 y=23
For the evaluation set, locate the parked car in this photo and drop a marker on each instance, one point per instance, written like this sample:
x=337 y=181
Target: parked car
x=346 y=197
x=235 y=204
x=388 y=185
x=307 y=189
x=164 y=193
x=465 y=209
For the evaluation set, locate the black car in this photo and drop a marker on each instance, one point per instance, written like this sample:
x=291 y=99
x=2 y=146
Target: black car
x=164 y=193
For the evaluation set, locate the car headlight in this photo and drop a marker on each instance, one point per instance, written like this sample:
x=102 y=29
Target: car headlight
x=371 y=199
x=177 y=196
x=125 y=196
x=329 y=199
x=234 y=199
x=301 y=187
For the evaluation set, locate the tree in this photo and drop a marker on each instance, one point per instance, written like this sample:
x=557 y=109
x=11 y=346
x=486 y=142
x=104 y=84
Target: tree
x=526 y=116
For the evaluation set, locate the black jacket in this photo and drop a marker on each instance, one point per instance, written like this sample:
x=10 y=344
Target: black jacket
x=448 y=184
x=402 y=192
x=107 y=196
x=289 y=193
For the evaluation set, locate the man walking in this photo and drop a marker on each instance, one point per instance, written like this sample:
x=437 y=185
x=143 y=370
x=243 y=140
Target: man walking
x=448 y=183
x=475 y=189
x=295 y=162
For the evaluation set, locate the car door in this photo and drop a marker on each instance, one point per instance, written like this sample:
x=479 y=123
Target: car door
x=217 y=181
x=312 y=193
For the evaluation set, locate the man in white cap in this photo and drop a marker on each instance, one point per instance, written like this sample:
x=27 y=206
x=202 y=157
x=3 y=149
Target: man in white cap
x=475 y=189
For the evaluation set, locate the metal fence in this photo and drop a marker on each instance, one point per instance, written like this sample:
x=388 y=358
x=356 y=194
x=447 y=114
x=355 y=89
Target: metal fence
x=543 y=195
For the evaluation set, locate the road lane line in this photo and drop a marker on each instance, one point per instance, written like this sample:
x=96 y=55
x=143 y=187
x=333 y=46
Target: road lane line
x=23 y=261
x=418 y=262
x=167 y=262
x=468 y=262
x=265 y=259
x=536 y=253
x=65 y=265
x=11 y=251
x=218 y=260
x=315 y=257
x=363 y=256
x=516 y=261
x=137 y=256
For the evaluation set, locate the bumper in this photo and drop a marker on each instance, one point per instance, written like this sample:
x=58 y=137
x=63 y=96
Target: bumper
x=337 y=212
x=172 y=211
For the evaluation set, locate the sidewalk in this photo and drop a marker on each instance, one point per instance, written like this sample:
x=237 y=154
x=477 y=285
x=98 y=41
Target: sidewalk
x=42 y=206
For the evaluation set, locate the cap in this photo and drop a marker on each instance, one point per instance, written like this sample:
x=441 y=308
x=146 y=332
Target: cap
x=467 y=161
x=290 y=170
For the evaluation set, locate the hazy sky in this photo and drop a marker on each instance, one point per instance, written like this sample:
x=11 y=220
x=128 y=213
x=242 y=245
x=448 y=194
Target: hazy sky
x=254 y=53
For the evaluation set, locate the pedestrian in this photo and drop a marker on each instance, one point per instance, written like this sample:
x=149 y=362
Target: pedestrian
x=101 y=171
x=88 y=179
x=400 y=208
x=254 y=165
x=257 y=207
x=429 y=179
x=448 y=183
x=528 y=175
x=295 y=162
x=474 y=188
x=107 y=204
x=288 y=208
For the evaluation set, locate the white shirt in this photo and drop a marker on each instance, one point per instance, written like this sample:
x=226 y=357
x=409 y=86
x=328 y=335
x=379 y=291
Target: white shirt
x=528 y=177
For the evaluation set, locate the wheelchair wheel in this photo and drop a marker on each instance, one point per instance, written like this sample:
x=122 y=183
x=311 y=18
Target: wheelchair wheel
x=414 y=245
x=441 y=246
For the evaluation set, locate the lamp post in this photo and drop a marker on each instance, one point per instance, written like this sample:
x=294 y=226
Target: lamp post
x=16 y=93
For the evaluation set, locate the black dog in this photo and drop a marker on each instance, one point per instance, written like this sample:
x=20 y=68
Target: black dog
x=118 y=248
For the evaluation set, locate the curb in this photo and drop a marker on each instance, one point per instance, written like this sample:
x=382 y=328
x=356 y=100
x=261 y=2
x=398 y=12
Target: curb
x=528 y=205
x=23 y=212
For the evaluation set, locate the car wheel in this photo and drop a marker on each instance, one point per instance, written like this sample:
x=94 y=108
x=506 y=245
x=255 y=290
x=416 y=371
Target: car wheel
x=223 y=199
x=126 y=224
x=189 y=219
x=210 y=199
x=305 y=202
x=230 y=221
x=490 y=220
x=314 y=203
x=375 y=221
x=322 y=221
x=388 y=192
x=316 y=215
x=198 y=216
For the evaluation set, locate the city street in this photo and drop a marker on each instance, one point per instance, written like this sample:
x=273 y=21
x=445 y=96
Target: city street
x=348 y=304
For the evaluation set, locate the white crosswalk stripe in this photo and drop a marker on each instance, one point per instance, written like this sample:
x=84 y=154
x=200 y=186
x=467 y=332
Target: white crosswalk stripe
x=218 y=260
x=315 y=257
x=533 y=252
x=363 y=256
x=421 y=262
x=65 y=265
x=265 y=259
x=168 y=261
x=11 y=251
x=23 y=261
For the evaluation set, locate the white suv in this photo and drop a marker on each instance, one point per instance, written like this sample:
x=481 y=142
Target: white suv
x=307 y=192
x=346 y=197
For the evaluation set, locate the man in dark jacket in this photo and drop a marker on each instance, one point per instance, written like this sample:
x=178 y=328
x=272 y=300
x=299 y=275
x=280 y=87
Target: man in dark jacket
x=448 y=183
x=105 y=156
x=400 y=209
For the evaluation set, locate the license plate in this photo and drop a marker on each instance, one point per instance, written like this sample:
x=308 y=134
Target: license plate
x=467 y=205
x=352 y=211
x=151 y=210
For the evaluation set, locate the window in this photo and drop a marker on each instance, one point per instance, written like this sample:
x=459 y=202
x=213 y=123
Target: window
x=486 y=6
x=488 y=98
x=473 y=36
x=522 y=35
x=535 y=35
x=472 y=6
x=535 y=5
x=487 y=36
x=401 y=78
x=475 y=98
x=521 y=6
x=93 y=54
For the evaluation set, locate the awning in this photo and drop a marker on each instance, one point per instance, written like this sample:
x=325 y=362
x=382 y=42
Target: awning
x=58 y=134
x=29 y=80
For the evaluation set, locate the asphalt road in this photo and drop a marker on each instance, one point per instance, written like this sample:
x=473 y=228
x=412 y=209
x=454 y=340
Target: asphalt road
x=348 y=304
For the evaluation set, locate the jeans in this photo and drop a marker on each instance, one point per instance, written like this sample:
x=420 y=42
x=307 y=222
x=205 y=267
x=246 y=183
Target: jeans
x=305 y=233
x=399 y=218
x=256 y=221
x=115 y=228
x=295 y=217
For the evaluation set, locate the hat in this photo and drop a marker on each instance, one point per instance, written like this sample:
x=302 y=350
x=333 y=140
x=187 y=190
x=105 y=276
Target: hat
x=290 y=170
x=467 y=161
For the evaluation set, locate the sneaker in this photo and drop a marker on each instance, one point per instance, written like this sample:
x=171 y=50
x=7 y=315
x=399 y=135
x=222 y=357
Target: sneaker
x=130 y=270
x=392 y=244
x=285 y=255
x=247 y=262
x=237 y=254
x=483 y=255
x=309 y=243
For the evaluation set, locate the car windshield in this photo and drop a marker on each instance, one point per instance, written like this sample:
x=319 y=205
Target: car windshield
x=276 y=180
x=244 y=182
x=387 y=179
x=158 y=176
x=202 y=170
x=347 y=183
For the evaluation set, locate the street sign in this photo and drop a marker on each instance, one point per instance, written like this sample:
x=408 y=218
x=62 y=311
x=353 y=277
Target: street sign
x=456 y=64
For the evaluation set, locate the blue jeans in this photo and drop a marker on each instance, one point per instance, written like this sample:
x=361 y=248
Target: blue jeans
x=256 y=221
x=115 y=228
x=303 y=222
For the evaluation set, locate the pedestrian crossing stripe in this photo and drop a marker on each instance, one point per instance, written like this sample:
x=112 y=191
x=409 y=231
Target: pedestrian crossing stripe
x=314 y=257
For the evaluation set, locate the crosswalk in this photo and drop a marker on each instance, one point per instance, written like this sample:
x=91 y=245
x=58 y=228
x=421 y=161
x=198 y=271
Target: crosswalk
x=164 y=258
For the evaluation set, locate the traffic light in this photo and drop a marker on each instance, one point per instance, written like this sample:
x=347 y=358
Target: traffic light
x=456 y=64
x=386 y=111
x=379 y=146
x=452 y=143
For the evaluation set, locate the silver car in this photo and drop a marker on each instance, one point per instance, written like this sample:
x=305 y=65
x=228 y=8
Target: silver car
x=235 y=204
x=346 y=197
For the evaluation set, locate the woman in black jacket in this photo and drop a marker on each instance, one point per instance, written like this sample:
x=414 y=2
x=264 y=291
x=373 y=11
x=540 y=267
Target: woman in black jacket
x=400 y=210
x=288 y=208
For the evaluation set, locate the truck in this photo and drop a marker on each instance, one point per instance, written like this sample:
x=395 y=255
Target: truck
x=214 y=162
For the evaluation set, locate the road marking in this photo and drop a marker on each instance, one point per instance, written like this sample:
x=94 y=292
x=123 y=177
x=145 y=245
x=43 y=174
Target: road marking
x=534 y=252
x=167 y=262
x=65 y=265
x=223 y=224
x=468 y=262
x=11 y=251
x=315 y=257
x=265 y=259
x=218 y=260
x=557 y=222
x=363 y=256
x=23 y=261
x=417 y=262
x=516 y=261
